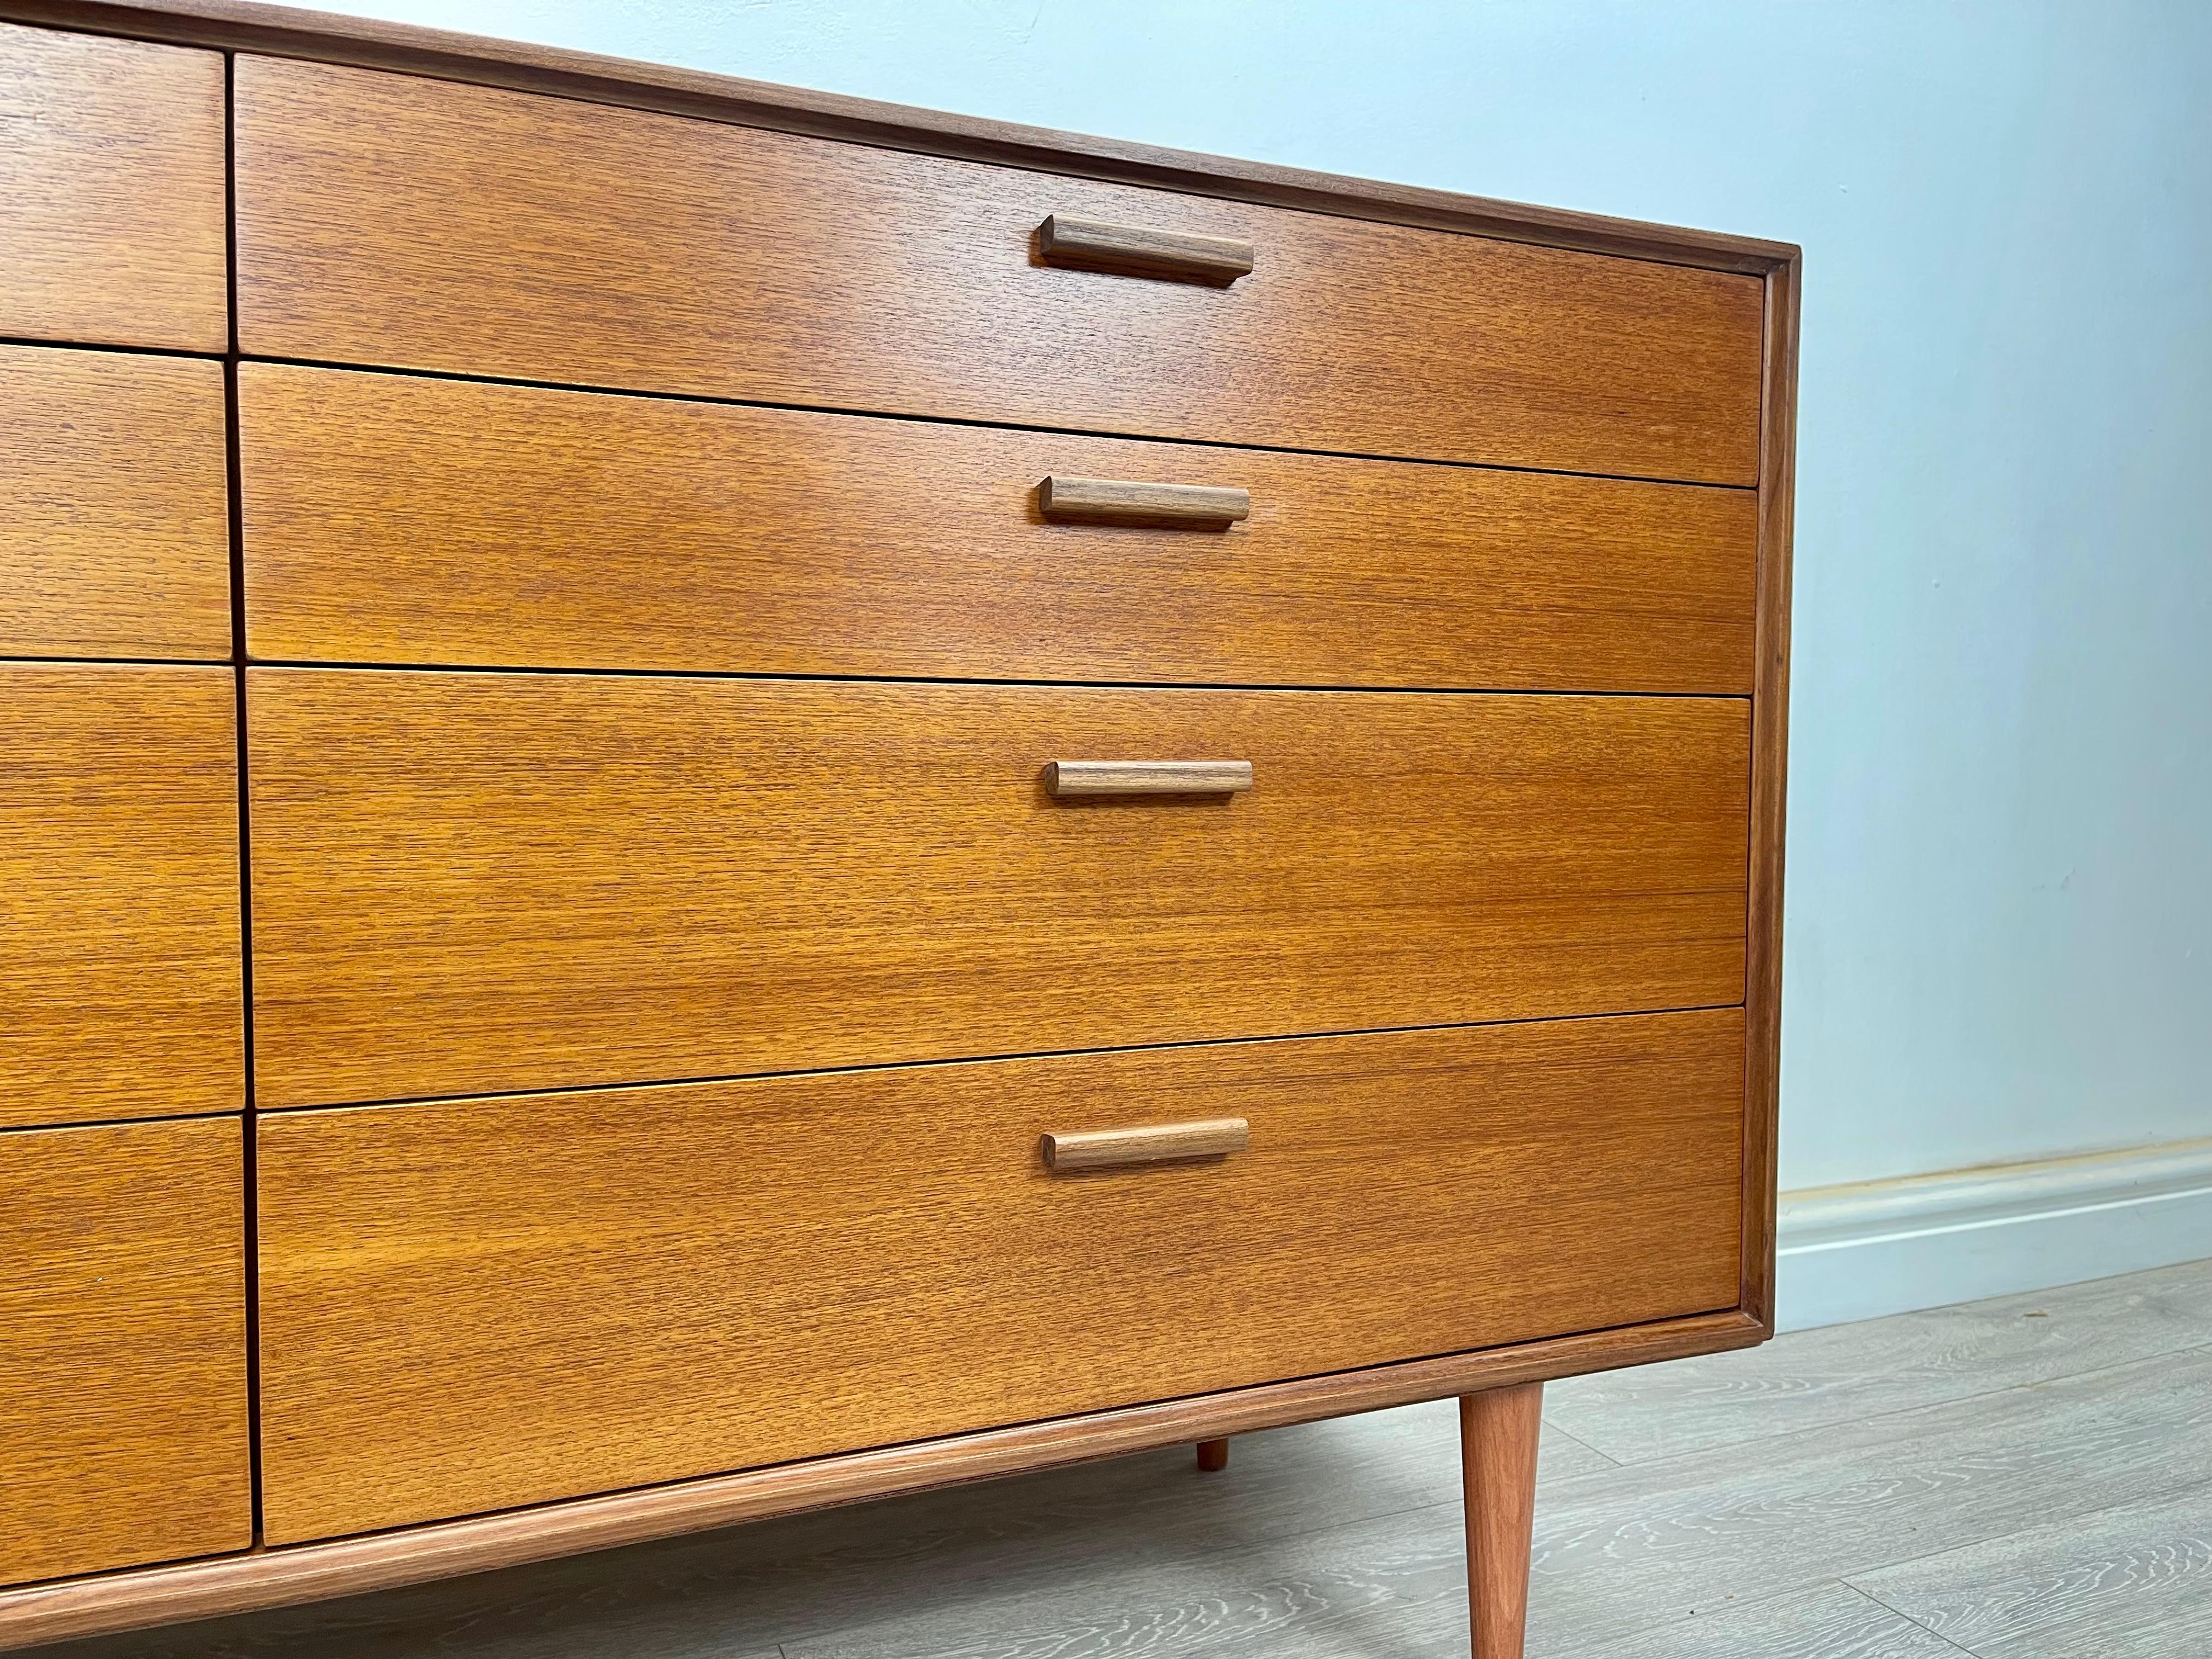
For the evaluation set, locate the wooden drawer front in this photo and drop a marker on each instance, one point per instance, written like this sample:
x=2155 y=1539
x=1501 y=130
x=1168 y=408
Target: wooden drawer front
x=473 y=1304
x=418 y=224
x=397 y=519
x=112 y=193
x=114 y=506
x=471 y=883
x=118 y=893
x=123 y=1417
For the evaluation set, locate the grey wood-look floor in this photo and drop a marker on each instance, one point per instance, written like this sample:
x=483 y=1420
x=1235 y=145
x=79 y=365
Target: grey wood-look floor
x=2029 y=1478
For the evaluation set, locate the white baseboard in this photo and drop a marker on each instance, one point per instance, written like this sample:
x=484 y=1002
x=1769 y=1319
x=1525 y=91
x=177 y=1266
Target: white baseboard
x=1885 y=1247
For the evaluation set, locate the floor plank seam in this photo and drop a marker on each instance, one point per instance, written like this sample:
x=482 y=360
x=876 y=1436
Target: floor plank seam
x=2078 y=1305
x=2147 y=1494
x=1870 y=1597
x=1551 y=1427
x=1699 y=1454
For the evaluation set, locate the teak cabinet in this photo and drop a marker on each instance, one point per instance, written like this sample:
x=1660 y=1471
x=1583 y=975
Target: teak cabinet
x=717 y=799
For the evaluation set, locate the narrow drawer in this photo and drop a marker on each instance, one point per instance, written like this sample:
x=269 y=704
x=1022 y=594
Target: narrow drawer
x=119 y=861
x=123 y=1414
x=401 y=518
x=418 y=224
x=471 y=883
x=474 y=1304
x=112 y=191
x=114 y=506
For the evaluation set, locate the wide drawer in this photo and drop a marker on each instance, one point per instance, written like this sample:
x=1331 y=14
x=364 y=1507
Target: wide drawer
x=468 y=883
x=114 y=506
x=420 y=224
x=123 y=1410
x=474 y=1304
x=401 y=518
x=118 y=893
x=112 y=193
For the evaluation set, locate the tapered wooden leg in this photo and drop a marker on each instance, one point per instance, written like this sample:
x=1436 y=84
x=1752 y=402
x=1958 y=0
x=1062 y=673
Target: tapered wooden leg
x=1212 y=1455
x=1498 y=1434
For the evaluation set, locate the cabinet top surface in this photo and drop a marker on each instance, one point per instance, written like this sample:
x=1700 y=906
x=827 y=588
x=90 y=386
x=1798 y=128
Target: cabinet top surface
x=247 y=25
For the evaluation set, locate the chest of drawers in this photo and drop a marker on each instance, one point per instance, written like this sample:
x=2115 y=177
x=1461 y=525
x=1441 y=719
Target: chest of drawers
x=719 y=800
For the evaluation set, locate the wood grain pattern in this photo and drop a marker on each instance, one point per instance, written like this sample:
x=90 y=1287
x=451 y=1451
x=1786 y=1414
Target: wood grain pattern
x=1769 y=788
x=1383 y=1591
x=548 y=880
x=474 y=1304
x=396 y=518
x=326 y=37
x=414 y=223
x=114 y=506
x=1842 y=1374
x=1077 y=780
x=1093 y=245
x=2136 y=1578
x=119 y=885
x=1830 y=1622
x=1498 y=1433
x=1661 y=1541
x=288 y=1577
x=1112 y=501
x=1157 y=1143
x=112 y=193
x=123 y=1420
x=1393 y=1587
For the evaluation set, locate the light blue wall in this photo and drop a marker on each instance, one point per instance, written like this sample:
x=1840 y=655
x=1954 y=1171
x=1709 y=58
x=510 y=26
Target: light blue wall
x=2000 y=908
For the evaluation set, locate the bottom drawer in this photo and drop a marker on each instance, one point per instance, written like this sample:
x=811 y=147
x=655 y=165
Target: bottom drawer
x=474 y=1304
x=123 y=1416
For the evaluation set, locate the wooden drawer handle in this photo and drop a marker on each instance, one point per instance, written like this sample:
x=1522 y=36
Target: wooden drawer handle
x=1067 y=779
x=1094 y=245
x=1109 y=501
x=1158 y=1142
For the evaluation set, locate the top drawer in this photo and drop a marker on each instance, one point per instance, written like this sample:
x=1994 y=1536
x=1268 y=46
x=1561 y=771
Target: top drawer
x=422 y=224
x=111 y=192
